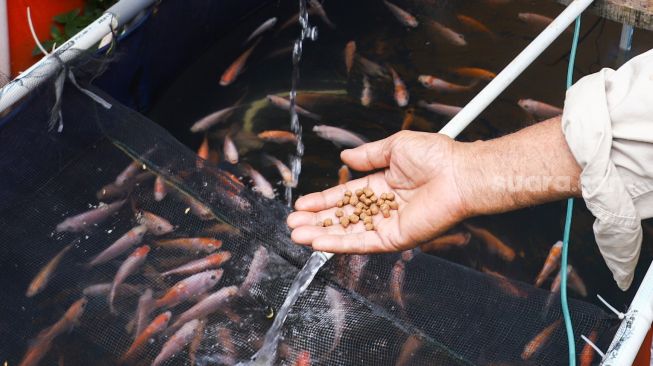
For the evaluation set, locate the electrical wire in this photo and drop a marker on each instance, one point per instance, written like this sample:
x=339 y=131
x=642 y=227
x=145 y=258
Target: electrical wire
x=570 y=208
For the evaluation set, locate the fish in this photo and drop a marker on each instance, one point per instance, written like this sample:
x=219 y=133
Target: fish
x=551 y=263
x=102 y=289
x=356 y=266
x=226 y=340
x=397 y=283
x=539 y=341
x=230 y=150
x=284 y=104
x=211 y=261
x=443 y=109
x=189 y=288
x=278 y=136
x=196 y=207
x=206 y=306
x=203 y=150
x=505 y=284
x=409 y=119
x=443 y=86
x=344 y=175
x=401 y=93
x=407 y=255
x=210 y=120
x=131 y=238
x=350 y=52
x=200 y=244
x=539 y=110
x=177 y=342
x=42 y=344
x=264 y=27
x=493 y=243
x=128 y=173
x=445 y=242
x=261 y=185
x=303 y=359
x=339 y=136
x=319 y=10
x=196 y=342
x=474 y=72
x=89 y=218
x=113 y=191
x=295 y=19
x=366 y=93
x=160 y=189
x=338 y=313
x=411 y=346
x=222 y=228
x=284 y=171
x=534 y=19
x=143 y=310
x=474 y=24
x=256 y=267
x=42 y=278
x=447 y=34
x=587 y=354
x=128 y=267
x=232 y=72
x=404 y=17
x=576 y=282
x=155 y=224
x=158 y=325
x=371 y=68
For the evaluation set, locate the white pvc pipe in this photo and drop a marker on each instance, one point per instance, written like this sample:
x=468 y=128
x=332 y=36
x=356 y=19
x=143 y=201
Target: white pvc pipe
x=634 y=326
x=5 y=66
x=514 y=69
x=41 y=71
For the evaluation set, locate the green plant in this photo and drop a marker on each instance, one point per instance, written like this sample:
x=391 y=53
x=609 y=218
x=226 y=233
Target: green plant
x=66 y=25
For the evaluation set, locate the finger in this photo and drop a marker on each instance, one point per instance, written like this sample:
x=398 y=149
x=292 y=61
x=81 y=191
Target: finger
x=302 y=218
x=362 y=242
x=326 y=199
x=373 y=155
x=306 y=234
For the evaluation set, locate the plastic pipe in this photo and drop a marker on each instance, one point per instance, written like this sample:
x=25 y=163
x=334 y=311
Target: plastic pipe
x=5 y=66
x=38 y=73
x=514 y=68
x=634 y=326
x=626 y=40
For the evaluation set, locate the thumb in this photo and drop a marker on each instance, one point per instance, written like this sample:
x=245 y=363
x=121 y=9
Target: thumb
x=373 y=155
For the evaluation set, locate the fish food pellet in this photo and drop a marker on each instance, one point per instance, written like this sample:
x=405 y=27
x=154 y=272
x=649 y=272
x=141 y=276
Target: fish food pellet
x=359 y=192
x=386 y=213
x=360 y=205
x=383 y=196
x=384 y=207
x=357 y=211
x=353 y=219
x=353 y=200
x=345 y=201
x=367 y=220
x=344 y=221
x=369 y=226
x=394 y=205
x=339 y=213
x=339 y=203
x=366 y=205
x=374 y=209
x=327 y=222
x=390 y=196
x=368 y=192
x=348 y=193
x=373 y=198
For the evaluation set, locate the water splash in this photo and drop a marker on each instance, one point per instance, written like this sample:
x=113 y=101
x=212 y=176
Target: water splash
x=268 y=352
x=311 y=33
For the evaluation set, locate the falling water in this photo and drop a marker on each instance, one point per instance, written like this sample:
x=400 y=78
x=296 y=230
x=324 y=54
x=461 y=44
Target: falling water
x=311 y=33
x=266 y=355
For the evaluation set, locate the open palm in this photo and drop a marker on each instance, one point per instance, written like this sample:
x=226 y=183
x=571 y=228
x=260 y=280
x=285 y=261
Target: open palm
x=417 y=167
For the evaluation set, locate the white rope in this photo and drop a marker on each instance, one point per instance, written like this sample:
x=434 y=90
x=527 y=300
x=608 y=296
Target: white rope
x=594 y=346
x=612 y=308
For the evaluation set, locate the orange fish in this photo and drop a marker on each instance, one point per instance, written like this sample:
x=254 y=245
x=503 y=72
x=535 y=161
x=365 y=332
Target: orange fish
x=43 y=277
x=350 y=51
x=196 y=342
x=203 y=151
x=284 y=171
x=474 y=24
x=409 y=118
x=587 y=354
x=443 y=86
x=128 y=267
x=155 y=327
x=408 y=350
x=344 y=175
x=550 y=264
x=474 y=72
x=278 y=136
x=539 y=341
x=303 y=359
x=401 y=93
x=505 y=284
x=160 y=190
x=232 y=72
x=211 y=261
x=446 y=241
x=207 y=245
x=493 y=243
x=188 y=288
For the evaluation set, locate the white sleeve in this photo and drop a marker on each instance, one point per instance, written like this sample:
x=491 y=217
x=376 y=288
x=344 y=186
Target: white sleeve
x=608 y=124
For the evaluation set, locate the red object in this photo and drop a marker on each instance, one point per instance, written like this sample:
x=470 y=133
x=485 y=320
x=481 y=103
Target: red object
x=644 y=355
x=21 y=42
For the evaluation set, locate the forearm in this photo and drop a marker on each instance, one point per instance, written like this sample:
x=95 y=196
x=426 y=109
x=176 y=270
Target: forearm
x=526 y=168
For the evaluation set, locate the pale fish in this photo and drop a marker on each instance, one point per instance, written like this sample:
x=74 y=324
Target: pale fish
x=339 y=136
x=90 y=218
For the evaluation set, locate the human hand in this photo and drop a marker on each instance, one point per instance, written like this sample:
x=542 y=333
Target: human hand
x=418 y=167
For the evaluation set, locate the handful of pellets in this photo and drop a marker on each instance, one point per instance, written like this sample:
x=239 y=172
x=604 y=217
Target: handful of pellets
x=366 y=205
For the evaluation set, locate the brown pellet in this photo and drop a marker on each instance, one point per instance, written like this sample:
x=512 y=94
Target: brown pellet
x=367 y=201
x=348 y=193
x=339 y=203
x=360 y=205
x=367 y=219
x=386 y=213
x=357 y=211
x=382 y=196
x=390 y=196
x=344 y=221
x=362 y=215
x=373 y=198
x=328 y=222
x=368 y=212
x=379 y=202
x=353 y=200
x=368 y=192
x=353 y=219
x=339 y=213
x=384 y=207
x=369 y=226
x=394 y=205
x=359 y=192
x=345 y=201
x=374 y=209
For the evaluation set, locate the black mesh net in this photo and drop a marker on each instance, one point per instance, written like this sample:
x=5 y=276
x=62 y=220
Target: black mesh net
x=360 y=310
